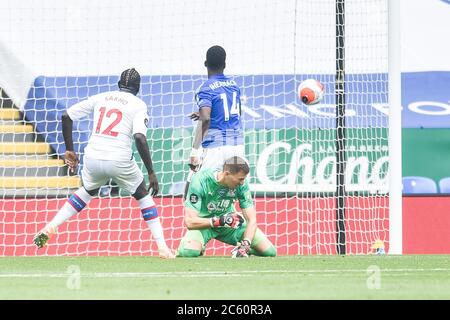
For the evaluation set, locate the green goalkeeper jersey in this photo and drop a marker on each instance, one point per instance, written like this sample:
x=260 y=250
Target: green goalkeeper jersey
x=209 y=198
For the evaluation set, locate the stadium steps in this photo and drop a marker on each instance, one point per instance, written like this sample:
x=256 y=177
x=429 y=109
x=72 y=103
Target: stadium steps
x=27 y=166
x=39 y=182
x=17 y=133
x=9 y=114
x=38 y=186
x=24 y=148
x=32 y=167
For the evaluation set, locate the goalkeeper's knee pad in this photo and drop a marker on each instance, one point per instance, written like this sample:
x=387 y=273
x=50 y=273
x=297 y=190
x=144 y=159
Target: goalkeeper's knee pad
x=188 y=253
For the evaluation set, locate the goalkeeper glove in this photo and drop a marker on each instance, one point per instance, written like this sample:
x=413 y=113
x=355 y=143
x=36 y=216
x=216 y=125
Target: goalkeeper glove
x=229 y=220
x=242 y=250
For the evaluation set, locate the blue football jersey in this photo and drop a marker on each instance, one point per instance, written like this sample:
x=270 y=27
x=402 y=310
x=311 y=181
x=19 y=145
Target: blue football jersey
x=222 y=94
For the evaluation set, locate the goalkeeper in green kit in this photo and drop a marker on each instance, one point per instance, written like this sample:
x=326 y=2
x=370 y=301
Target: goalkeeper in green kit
x=210 y=213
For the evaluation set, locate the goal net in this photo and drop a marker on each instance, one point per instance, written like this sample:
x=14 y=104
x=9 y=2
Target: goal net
x=54 y=54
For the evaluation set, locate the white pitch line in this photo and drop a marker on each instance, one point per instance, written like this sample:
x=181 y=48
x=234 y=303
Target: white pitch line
x=198 y=274
x=114 y=275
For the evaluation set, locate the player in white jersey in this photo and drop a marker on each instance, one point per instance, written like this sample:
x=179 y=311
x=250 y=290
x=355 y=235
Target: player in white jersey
x=119 y=117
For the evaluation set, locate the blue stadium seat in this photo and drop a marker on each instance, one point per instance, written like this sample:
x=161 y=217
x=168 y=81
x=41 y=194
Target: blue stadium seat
x=444 y=185
x=418 y=185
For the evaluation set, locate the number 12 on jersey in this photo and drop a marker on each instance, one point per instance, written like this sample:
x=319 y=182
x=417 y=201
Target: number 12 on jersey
x=116 y=113
x=235 y=106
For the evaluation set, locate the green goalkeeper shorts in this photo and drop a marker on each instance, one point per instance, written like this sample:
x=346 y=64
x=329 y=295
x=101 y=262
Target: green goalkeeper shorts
x=227 y=235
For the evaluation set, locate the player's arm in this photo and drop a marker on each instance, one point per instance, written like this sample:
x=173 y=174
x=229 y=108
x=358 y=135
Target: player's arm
x=249 y=212
x=194 y=222
x=250 y=216
x=193 y=206
x=144 y=152
x=67 y=127
x=200 y=133
x=139 y=134
x=202 y=126
x=203 y=99
x=70 y=157
x=243 y=250
x=75 y=112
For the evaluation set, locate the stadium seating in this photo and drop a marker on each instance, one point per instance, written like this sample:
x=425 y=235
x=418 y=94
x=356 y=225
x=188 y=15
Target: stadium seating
x=418 y=185
x=444 y=185
x=27 y=165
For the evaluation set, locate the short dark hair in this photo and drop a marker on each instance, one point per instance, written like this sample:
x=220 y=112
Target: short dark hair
x=130 y=80
x=235 y=165
x=215 y=58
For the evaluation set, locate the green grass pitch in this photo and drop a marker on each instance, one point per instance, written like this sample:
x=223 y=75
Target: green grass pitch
x=298 y=277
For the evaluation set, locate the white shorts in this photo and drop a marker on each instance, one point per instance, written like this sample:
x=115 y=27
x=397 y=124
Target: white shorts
x=216 y=157
x=97 y=173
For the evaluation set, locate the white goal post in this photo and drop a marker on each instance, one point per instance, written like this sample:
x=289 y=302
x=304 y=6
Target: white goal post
x=395 y=129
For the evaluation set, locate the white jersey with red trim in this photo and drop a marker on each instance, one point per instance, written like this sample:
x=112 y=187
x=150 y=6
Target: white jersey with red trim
x=118 y=115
